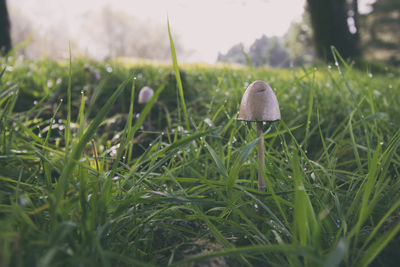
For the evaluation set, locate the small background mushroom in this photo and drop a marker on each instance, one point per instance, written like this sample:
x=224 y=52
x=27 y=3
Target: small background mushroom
x=145 y=95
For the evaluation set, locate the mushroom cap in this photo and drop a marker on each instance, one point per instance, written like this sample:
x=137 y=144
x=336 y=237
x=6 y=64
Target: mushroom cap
x=145 y=94
x=259 y=103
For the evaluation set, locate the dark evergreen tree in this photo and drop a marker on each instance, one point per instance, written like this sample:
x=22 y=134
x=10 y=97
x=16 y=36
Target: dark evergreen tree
x=381 y=36
x=5 y=39
x=330 y=22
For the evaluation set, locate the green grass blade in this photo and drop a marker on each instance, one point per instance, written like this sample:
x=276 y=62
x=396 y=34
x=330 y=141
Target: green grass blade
x=78 y=147
x=309 y=110
x=249 y=250
x=337 y=255
x=135 y=128
x=217 y=160
x=178 y=77
x=376 y=247
x=67 y=133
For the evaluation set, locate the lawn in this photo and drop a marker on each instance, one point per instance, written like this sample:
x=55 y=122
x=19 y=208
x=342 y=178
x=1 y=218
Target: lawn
x=86 y=180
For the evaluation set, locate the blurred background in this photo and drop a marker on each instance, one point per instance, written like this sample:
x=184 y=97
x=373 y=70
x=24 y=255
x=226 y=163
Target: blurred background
x=278 y=33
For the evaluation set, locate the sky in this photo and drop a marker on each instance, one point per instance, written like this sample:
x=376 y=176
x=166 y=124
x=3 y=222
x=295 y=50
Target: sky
x=204 y=27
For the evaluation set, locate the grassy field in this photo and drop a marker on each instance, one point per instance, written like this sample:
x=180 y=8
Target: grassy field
x=86 y=180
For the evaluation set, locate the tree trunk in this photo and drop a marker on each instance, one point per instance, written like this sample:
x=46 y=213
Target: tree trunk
x=356 y=22
x=5 y=39
x=329 y=23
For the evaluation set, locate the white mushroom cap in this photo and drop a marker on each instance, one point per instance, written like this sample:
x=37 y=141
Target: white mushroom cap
x=259 y=103
x=145 y=94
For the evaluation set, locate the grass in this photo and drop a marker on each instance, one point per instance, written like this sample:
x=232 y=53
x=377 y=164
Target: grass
x=85 y=182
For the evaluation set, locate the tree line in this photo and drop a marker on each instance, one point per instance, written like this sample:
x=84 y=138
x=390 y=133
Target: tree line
x=326 y=24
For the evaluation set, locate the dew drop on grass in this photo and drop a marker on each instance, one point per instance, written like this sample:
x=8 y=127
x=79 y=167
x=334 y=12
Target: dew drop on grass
x=109 y=69
x=382 y=143
x=370 y=75
x=61 y=100
x=208 y=122
x=35 y=102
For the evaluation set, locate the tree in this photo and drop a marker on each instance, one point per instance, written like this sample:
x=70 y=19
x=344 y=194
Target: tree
x=5 y=39
x=235 y=54
x=126 y=36
x=299 y=42
x=264 y=51
x=269 y=51
x=334 y=23
x=381 y=36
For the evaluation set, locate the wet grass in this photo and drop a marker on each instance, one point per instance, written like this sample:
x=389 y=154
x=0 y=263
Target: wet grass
x=86 y=182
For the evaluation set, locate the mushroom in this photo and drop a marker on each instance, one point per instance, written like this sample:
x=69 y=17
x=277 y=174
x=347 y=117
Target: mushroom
x=259 y=104
x=145 y=95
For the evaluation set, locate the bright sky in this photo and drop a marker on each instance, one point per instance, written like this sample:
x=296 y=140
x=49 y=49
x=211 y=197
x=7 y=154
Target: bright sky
x=205 y=27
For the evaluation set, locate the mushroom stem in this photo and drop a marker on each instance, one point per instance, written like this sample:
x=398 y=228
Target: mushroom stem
x=148 y=118
x=260 y=154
